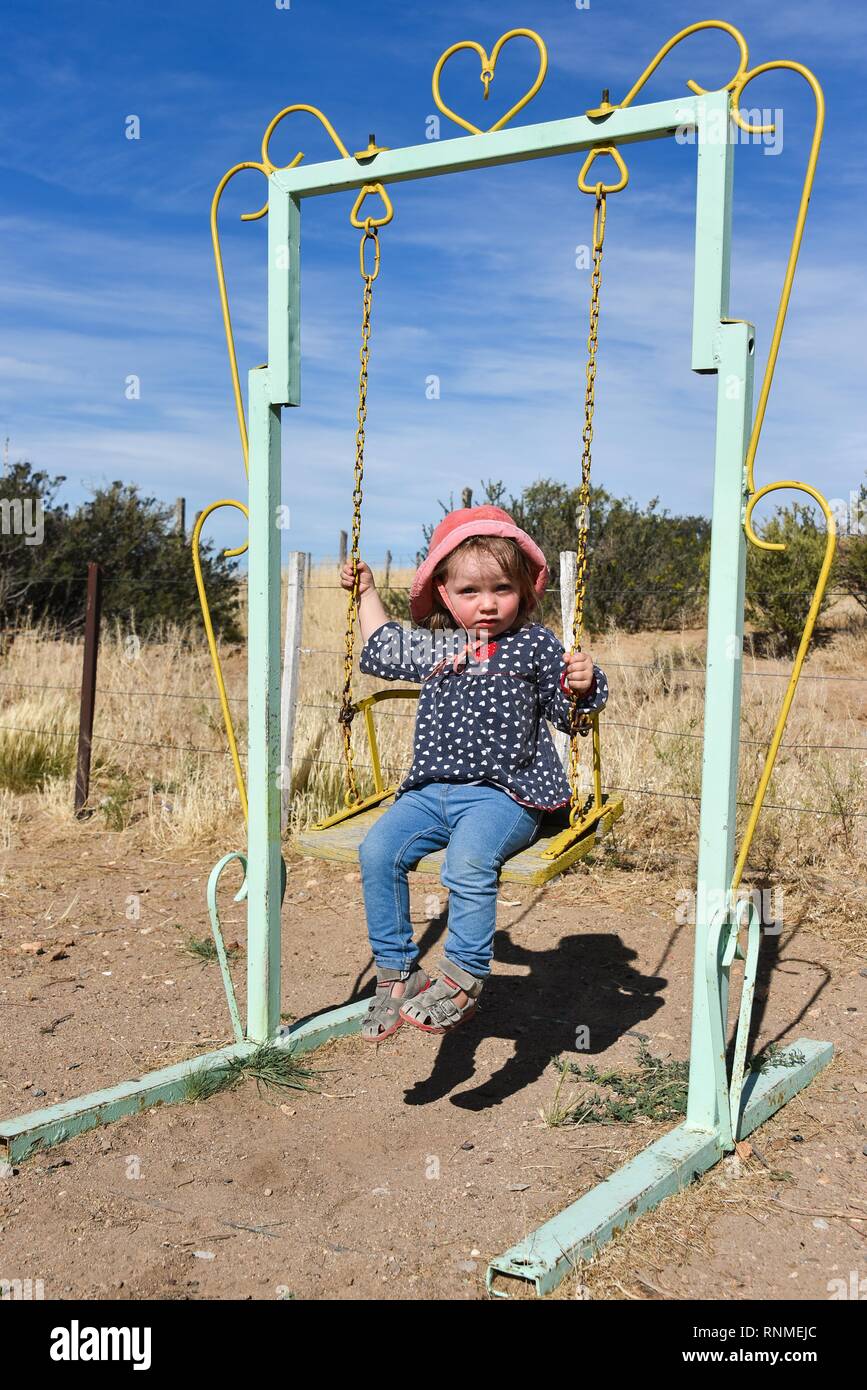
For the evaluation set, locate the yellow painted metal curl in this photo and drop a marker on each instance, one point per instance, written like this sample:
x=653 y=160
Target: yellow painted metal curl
x=753 y=497
x=797 y=237
x=488 y=66
x=224 y=298
x=212 y=642
x=676 y=39
x=736 y=85
x=266 y=167
x=806 y=635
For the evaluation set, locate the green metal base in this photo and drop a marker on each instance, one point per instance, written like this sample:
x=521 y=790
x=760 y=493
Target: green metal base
x=555 y=1249
x=544 y=1257
x=27 y=1134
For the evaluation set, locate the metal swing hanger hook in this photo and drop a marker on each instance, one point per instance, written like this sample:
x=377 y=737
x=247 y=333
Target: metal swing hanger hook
x=369 y=224
x=598 y=189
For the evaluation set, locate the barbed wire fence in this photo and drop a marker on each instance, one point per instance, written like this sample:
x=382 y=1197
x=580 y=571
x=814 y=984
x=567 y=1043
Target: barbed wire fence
x=670 y=666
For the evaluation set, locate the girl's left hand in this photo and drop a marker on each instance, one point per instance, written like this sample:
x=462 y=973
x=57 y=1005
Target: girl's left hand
x=578 y=671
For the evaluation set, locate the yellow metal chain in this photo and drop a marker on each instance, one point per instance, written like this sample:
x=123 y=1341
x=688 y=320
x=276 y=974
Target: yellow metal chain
x=580 y=722
x=347 y=708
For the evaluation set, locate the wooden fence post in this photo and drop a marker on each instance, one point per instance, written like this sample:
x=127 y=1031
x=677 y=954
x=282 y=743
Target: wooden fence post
x=88 y=685
x=387 y=569
x=341 y=560
x=289 y=686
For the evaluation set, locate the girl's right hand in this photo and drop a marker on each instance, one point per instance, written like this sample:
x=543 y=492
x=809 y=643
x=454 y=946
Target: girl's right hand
x=366 y=581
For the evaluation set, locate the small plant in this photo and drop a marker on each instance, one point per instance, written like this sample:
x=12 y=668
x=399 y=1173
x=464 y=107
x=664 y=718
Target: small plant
x=775 y=1055
x=267 y=1065
x=205 y=949
x=852 y=562
x=28 y=761
x=116 y=804
x=657 y=1090
x=563 y=1112
x=396 y=603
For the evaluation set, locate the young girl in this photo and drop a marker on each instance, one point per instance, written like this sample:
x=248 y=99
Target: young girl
x=484 y=766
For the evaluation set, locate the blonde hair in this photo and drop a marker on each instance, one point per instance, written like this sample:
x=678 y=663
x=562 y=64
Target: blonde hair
x=505 y=553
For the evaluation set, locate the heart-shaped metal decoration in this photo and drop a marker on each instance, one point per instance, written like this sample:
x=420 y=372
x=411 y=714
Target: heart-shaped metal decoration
x=488 y=66
x=603 y=187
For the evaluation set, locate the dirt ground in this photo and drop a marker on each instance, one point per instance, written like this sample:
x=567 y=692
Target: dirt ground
x=415 y=1162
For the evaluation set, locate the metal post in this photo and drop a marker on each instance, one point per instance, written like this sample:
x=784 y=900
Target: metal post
x=735 y=353
x=88 y=684
x=291 y=663
x=263 y=705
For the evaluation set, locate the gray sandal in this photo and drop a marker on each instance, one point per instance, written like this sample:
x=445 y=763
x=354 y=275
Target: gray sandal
x=437 y=1012
x=383 y=1016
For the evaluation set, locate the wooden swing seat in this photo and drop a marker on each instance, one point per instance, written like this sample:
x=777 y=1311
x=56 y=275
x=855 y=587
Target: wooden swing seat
x=340 y=843
x=338 y=837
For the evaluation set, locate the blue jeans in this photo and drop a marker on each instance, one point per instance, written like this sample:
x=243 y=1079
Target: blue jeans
x=481 y=826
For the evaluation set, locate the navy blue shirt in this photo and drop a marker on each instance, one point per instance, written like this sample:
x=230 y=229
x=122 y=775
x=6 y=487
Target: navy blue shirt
x=484 y=720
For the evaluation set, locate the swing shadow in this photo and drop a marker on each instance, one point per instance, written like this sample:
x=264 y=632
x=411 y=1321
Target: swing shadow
x=588 y=980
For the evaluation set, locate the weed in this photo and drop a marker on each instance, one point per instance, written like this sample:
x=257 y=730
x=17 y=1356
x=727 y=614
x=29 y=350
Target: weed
x=28 y=761
x=205 y=949
x=116 y=804
x=657 y=1090
x=775 y=1055
x=559 y=1112
x=267 y=1065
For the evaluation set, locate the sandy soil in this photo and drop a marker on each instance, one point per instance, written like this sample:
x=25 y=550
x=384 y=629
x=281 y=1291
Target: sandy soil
x=418 y=1160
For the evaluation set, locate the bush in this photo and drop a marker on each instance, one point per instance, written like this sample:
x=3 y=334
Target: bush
x=147 y=567
x=645 y=569
x=852 y=563
x=780 y=583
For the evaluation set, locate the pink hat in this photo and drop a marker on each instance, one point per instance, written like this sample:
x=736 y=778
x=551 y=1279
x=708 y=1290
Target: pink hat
x=460 y=526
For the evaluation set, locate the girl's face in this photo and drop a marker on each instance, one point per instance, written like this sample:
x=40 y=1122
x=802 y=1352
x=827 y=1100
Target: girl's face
x=482 y=595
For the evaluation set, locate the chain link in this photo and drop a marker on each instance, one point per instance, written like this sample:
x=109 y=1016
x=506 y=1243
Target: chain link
x=347 y=708
x=581 y=724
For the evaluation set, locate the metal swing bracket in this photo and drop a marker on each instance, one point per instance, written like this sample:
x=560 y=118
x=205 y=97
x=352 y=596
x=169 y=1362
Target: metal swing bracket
x=216 y=930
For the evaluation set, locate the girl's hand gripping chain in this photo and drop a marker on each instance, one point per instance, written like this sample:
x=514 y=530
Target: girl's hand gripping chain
x=578 y=672
x=365 y=577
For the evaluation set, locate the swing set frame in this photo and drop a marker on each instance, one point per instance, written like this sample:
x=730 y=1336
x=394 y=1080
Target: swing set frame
x=723 y=1104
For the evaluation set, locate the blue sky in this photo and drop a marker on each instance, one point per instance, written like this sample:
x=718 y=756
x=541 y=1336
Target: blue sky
x=108 y=272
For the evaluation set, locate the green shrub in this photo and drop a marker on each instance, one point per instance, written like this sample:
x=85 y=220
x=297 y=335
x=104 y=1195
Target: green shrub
x=28 y=761
x=852 y=562
x=780 y=583
x=645 y=568
x=147 y=568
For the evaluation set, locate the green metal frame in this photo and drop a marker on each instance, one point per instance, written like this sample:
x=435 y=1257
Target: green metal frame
x=719 y=1110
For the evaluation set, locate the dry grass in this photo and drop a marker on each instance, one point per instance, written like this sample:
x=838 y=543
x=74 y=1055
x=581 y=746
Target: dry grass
x=649 y=1255
x=156 y=711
